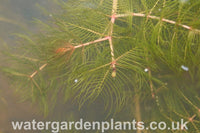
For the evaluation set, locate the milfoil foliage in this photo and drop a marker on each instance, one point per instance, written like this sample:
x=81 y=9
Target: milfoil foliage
x=139 y=56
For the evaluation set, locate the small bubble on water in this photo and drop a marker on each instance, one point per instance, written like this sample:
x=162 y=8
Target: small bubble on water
x=185 y=68
x=146 y=69
x=76 y=80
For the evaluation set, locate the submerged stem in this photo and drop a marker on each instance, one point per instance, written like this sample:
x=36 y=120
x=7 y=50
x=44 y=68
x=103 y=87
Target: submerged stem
x=64 y=50
x=137 y=110
x=114 y=12
x=34 y=73
x=158 y=18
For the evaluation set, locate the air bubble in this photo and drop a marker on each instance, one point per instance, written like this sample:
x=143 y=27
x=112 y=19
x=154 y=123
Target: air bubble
x=76 y=80
x=146 y=69
x=185 y=68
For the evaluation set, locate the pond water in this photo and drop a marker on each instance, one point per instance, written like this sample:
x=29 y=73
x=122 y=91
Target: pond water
x=16 y=17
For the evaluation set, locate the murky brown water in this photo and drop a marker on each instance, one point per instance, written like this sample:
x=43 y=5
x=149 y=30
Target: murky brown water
x=12 y=109
x=15 y=17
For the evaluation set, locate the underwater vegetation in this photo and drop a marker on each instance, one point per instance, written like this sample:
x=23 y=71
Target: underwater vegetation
x=140 y=57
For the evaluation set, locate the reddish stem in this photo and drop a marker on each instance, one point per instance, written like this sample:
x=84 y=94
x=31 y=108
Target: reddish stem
x=158 y=18
x=63 y=50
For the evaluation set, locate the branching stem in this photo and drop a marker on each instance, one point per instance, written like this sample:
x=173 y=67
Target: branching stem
x=158 y=18
x=92 y=42
x=64 y=50
x=113 y=17
x=34 y=73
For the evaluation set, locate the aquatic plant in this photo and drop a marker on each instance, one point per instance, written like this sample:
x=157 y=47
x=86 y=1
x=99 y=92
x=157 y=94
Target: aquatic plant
x=139 y=56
